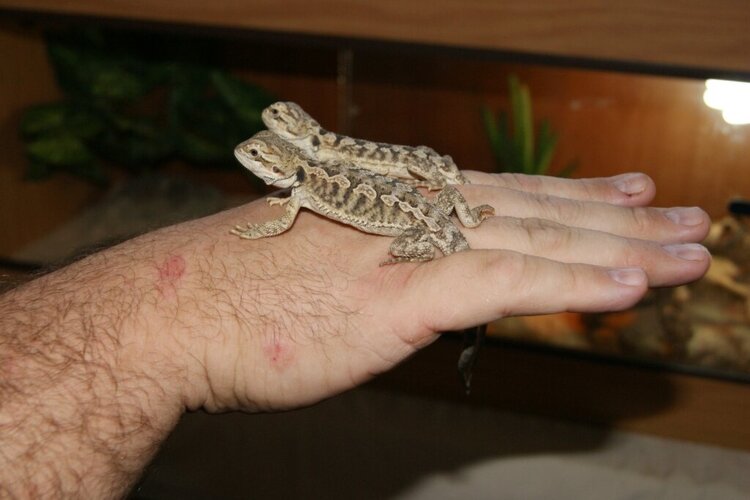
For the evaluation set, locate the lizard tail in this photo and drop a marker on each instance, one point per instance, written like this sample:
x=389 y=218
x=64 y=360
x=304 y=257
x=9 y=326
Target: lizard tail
x=473 y=339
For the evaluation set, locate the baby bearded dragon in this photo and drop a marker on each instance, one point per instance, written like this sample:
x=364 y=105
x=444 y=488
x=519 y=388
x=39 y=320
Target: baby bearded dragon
x=421 y=166
x=370 y=202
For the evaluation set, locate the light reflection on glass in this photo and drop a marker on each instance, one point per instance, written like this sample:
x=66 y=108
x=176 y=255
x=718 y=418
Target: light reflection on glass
x=731 y=98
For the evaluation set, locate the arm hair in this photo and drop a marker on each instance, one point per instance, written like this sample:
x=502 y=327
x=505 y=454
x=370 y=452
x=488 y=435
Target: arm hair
x=80 y=415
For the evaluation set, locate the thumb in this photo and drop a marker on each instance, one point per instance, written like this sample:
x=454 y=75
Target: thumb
x=475 y=287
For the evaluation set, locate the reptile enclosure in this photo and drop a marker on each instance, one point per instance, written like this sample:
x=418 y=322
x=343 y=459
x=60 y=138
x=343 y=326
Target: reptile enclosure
x=621 y=85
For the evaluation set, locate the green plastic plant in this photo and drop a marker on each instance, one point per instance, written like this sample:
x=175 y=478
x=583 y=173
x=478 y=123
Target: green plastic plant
x=514 y=145
x=136 y=102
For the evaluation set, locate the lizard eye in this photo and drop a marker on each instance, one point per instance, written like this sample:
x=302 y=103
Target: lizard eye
x=253 y=152
x=276 y=170
x=275 y=111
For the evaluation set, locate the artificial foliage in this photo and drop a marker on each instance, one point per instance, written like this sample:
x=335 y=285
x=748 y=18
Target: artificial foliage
x=134 y=102
x=515 y=146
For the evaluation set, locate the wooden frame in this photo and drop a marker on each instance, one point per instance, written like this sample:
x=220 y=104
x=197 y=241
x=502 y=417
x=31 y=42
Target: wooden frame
x=680 y=34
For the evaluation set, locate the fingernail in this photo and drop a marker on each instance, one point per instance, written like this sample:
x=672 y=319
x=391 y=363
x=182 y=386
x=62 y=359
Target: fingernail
x=631 y=276
x=686 y=216
x=687 y=251
x=630 y=184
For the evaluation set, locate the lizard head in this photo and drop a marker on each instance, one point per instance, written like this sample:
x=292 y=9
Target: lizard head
x=289 y=120
x=271 y=158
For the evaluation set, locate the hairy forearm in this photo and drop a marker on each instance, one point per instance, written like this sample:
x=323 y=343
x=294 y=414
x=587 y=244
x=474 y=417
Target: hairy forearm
x=85 y=397
x=99 y=359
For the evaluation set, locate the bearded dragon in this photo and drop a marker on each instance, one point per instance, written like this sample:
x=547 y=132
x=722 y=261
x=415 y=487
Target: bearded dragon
x=420 y=166
x=370 y=202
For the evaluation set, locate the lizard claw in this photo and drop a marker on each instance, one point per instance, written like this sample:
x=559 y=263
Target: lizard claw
x=484 y=212
x=430 y=185
x=272 y=200
x=397 y=260
x=242 y=232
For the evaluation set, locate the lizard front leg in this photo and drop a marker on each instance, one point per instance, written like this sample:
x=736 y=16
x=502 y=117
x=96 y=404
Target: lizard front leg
x=451 y=199
x=413 y=245
x=273 y=200
x=272 y=227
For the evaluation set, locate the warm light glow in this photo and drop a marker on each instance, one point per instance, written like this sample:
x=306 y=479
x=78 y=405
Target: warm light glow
x=731 y=98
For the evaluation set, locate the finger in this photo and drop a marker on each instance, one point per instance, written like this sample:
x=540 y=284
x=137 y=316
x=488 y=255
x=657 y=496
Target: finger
x=631 y=189
x=665 y=225
x=665 y=265
x=470 y=288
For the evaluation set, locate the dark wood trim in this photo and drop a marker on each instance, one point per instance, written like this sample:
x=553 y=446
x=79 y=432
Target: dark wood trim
x=681 y=34
x=626 y=396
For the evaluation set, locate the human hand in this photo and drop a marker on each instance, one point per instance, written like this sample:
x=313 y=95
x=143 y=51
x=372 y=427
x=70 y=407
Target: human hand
x=286 y=321
x=100 y=358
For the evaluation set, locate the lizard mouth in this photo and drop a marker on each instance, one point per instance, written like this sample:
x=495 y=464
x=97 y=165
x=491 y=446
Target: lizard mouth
x=283 y=182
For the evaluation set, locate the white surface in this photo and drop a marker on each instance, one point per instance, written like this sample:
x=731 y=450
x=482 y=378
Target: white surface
x=627 y=470
x=620 y=466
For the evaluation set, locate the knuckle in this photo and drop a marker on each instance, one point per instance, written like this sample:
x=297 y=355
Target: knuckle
x=515 y=269
x=643 y=220
x=559 y=209
x=544 y=234
x=592 y=189
x=631 y=253
x=519 y=181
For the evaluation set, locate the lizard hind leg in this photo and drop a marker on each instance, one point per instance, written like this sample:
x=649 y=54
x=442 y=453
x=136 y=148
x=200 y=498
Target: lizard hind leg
x=451 y=199
x=413 y=245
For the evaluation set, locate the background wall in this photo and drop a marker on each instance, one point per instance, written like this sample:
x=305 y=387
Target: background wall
x=28 y=210
x=608 y=122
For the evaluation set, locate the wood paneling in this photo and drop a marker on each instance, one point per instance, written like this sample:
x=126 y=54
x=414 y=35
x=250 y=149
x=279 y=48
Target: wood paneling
x=689 y=33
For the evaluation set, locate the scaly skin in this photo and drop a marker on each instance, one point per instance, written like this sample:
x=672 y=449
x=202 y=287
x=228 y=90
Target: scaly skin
x=368 y=201
x=421 y=166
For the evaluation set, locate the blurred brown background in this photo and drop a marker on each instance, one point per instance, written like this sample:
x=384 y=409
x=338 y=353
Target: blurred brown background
x=609 y=122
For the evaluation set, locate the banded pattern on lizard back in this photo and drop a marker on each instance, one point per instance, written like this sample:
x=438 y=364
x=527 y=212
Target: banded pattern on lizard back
x=421 y=166
x=368 y=201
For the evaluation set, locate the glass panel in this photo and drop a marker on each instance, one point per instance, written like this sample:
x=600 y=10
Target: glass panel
x=605 y=123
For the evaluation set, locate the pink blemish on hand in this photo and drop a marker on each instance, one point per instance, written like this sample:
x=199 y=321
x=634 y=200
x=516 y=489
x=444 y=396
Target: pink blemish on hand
x=170 y=273
x=280 y=354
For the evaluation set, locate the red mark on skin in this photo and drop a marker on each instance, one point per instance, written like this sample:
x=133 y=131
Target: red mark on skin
x=7 y=368
x=170 y=272
x=280 y=354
